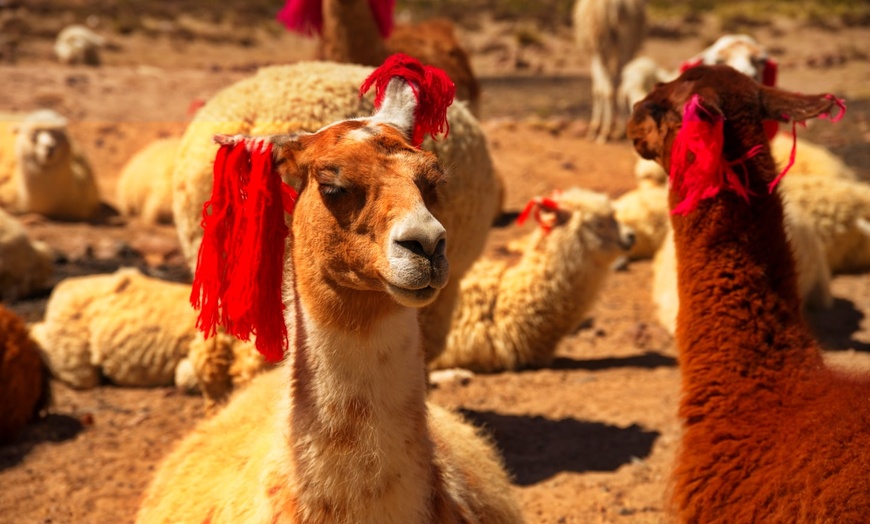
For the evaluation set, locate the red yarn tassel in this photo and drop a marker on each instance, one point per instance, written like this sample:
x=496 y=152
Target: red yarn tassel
x=302 y=16
x=238 y=280
x=432 y=87
x=697 y=167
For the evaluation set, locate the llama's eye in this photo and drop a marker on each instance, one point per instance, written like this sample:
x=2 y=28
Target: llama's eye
x=332 y=191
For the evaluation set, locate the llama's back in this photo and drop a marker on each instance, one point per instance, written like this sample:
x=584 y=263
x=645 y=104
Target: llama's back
x=214 y=474
x=471 y=469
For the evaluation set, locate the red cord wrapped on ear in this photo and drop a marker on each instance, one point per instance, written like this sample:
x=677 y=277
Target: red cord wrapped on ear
x=433 y=88
x=238 y=278
x=535 y=205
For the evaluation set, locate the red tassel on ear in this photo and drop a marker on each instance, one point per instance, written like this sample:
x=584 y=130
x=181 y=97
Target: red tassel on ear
x=306 y=16
x=238 y=279
x=698 y=170
x=536 y=204
x=432 y=87
x=302 y=16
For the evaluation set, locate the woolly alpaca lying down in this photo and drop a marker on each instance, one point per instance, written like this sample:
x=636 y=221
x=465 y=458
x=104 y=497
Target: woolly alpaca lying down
x=342 y=432
x=513 y=315
x=770 y=433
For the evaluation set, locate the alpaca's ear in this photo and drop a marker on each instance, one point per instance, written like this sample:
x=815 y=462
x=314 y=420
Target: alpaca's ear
x=398 y=107
x=785 y=106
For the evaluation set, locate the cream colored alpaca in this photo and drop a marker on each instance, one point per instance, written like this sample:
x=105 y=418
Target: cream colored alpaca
x=145 y=184
x=612 y=32
x=512 y=315
x=342 y=433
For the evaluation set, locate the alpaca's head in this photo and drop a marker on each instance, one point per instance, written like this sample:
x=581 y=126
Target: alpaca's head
x=42 y=139
x=743 y=53
x=581 y=218
x=718 y=95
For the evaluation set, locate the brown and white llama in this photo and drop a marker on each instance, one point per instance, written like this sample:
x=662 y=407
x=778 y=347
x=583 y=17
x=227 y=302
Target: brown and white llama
x=341 y=433
x=770 y=434
x=362 y=32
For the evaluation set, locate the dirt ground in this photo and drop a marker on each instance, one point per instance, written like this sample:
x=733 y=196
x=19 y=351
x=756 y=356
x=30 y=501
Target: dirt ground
x=587 y=439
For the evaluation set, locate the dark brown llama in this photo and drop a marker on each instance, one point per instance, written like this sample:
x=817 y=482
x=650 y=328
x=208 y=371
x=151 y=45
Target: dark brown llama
x=24 y=381
x=770 y=433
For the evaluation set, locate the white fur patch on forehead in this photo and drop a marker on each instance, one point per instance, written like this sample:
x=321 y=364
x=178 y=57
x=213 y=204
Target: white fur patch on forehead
x=362 y=134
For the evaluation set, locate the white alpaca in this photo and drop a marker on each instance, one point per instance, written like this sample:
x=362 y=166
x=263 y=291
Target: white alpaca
x=612 y=32
x=76 y=44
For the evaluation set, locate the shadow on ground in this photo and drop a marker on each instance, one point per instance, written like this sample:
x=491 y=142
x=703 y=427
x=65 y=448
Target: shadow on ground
x=51 y=428
x=537 y=448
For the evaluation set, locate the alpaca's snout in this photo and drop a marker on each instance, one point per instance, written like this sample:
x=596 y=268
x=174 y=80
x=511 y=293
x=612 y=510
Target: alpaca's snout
x=627 y=237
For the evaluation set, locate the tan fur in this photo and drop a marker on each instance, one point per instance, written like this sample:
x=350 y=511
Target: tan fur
x=611 y=31
x=514 y=315
x=341 y=433
x=26 y=265
x=813 y=272
x=645 y=210
x=145 y=183
x=130 y=328
x=836 y=207
x=308 y=96
x=51 y=176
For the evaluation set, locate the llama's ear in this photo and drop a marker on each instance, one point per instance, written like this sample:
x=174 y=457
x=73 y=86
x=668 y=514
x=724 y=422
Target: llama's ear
x=285 y=148
x=704 y=106
x=398 y=107
x=785 y=106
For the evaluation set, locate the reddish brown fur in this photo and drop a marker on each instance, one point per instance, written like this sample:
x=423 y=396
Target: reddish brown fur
x=350 y=35
x=770 y=433
x=23 y=377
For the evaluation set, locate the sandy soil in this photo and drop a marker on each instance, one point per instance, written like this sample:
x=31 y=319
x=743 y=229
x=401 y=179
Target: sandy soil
x=588 y=439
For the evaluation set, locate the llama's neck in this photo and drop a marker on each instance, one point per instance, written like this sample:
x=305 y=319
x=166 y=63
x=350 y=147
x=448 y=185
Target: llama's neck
x=357 y=445
x=350 y=33
x=740 y=328
x=560 y=284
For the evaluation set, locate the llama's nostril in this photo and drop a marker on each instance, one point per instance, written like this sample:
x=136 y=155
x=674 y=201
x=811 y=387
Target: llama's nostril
x=413 y=246
x=428 y=251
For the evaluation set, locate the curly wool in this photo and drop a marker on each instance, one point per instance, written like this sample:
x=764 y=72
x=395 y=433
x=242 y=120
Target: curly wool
x=839 y=210
x=514 y=315
x=128 y=327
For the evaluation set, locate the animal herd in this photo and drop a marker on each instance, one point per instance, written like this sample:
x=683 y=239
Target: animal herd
x=333 y=216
